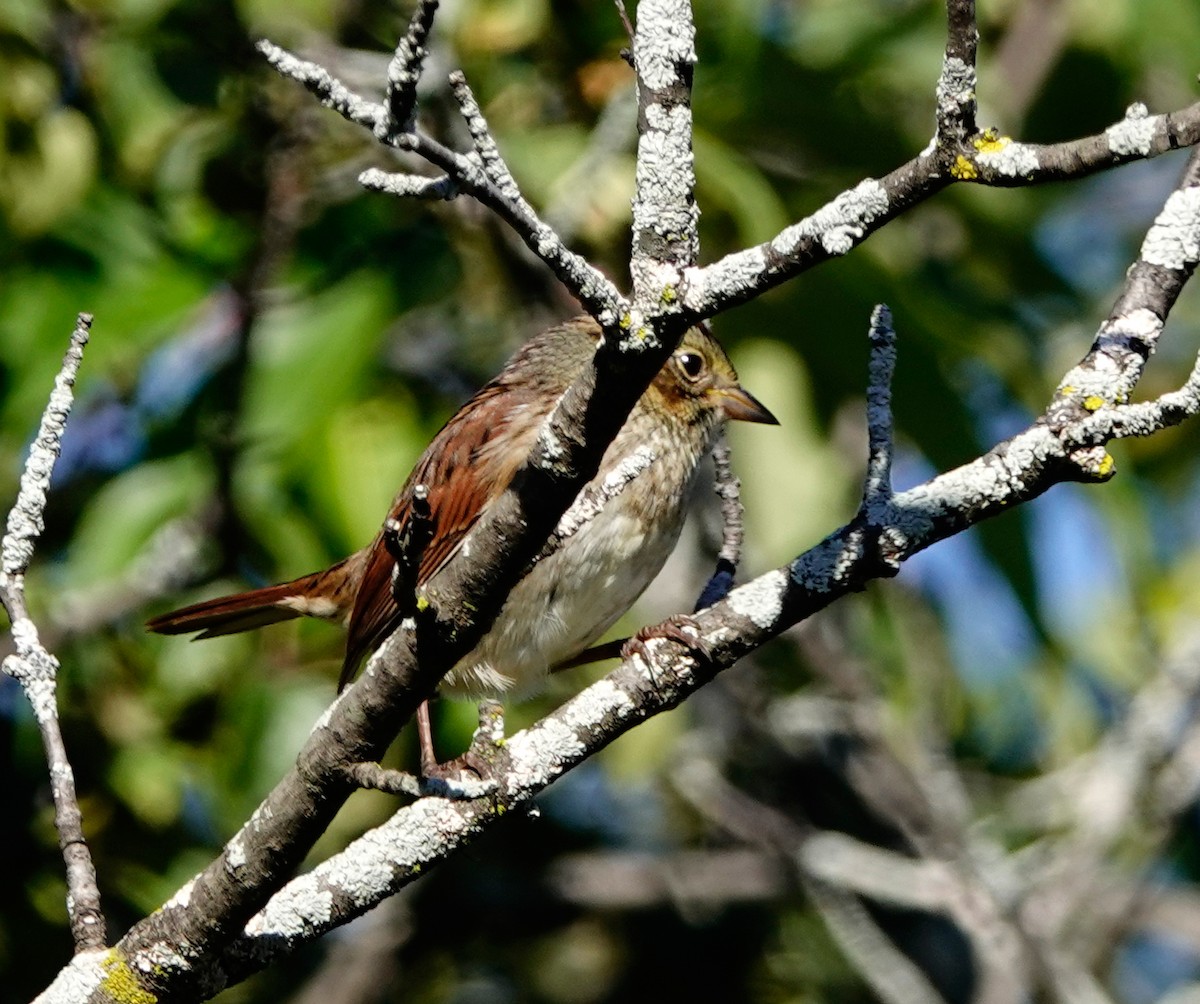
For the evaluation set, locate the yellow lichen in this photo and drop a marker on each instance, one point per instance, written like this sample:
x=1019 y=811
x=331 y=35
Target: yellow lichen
x=422 y=604
x=668 y=294
x=963 y=169
x=990 y=141
x=1093 y=402
x=1067 y=388
x=120 y=983
x=1105 y=467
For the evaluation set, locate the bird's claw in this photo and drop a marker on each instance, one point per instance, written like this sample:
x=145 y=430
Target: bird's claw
x=473 y=773
x=461 y=779
x=679 y=628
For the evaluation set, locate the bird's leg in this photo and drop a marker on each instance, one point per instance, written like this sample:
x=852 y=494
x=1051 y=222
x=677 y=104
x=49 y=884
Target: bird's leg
x=463 y=778
x=468 y=775
x=429 y=760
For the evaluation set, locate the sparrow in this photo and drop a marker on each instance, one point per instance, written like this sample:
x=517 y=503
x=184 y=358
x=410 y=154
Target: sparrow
x=604 y=559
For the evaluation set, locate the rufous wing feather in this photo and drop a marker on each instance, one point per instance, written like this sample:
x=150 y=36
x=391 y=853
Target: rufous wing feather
x=468 y=464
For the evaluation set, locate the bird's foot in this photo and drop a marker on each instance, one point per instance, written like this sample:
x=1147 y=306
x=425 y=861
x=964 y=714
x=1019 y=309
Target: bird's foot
x=679 y=628
x=458 y=780
x=465 y=777
x=470 y=775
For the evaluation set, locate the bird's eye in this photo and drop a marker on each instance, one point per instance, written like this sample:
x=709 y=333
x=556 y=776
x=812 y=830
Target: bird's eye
x=691 y=363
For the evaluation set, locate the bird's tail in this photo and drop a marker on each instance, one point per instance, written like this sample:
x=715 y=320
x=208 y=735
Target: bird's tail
x=327 y=594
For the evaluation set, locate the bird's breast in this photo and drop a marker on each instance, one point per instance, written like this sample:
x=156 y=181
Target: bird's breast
x=570 y=597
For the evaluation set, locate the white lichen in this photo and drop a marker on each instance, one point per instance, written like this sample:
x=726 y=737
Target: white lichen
x=1174 y=239
x=182 y=896
x=1134 y=134
x=956 y=85
x=300 y=908
x=540 y=753
x=666 y=39
x=731 y=276
x=840 y=224
x=235 y=854
x=158 y=957
x=761 y=599
x=1011 y=160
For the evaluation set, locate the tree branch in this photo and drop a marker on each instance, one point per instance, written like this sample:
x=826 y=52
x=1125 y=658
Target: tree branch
x=35 y=668
x=234 y=915
x=462 y=174
x=886 y=532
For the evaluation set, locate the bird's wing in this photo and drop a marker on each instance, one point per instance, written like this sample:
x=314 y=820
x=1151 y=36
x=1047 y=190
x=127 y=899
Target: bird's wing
x=466 y=467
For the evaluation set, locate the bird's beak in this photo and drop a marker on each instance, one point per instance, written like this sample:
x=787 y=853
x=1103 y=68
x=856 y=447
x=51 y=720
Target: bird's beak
x=741 y=406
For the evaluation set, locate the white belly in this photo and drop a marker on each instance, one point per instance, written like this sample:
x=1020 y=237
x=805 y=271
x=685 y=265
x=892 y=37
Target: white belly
x=556 y=611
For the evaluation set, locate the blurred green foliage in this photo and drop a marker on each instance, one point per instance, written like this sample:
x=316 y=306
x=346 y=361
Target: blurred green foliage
x=273 y=348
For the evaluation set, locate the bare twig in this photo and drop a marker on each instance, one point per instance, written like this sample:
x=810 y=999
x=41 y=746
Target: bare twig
x=728 y=490
x=624 y=15
x=462 y=174
x=35 y=668
x=988 y=159
x=404 y=72
x=956 y=103
x=878 y=487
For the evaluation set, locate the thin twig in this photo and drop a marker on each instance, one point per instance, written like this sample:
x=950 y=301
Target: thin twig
x=956 y=103
x=624 y=15
x=465 y=174
x=404 y=73
x=35 y=668
x=878 y=487
x=733 y=518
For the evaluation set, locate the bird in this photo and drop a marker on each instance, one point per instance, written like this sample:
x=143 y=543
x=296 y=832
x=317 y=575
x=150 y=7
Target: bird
x=574 y=593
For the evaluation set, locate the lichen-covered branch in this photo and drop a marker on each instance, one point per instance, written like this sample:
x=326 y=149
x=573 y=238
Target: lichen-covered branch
x=35 y=668
x=989 y=159
x=880 y=446
x=1092 y=400
x=959 y=152
x=404 y=73
x=461 y=174
x=892 y=528
x=956 y=103
x=237 y=913
x=665 y=236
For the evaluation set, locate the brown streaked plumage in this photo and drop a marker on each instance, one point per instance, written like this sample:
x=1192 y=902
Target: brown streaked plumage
x=572 y=596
